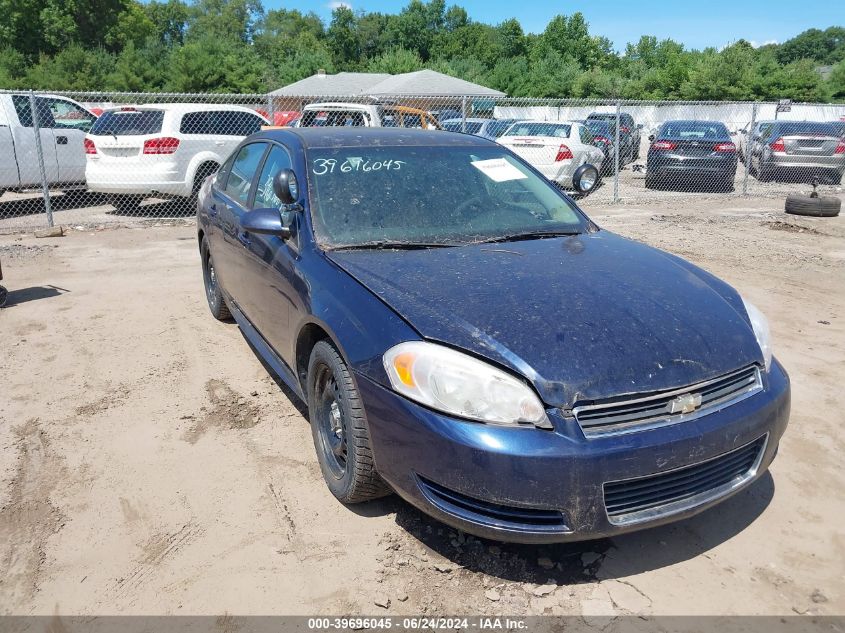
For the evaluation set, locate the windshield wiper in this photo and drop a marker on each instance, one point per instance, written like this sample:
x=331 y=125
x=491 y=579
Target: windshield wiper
x=385 y=245
x=527 y=235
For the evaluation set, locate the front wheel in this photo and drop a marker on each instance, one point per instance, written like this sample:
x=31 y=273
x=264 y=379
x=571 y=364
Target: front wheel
x=213 y=291
x=339 y=429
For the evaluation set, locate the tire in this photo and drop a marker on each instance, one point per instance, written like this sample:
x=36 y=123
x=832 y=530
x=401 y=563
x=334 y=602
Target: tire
x=4 y=294
x=763 y=173
x=650 y=182
x=339 y=429
x=125 y=203
x=203 y=172
x=213 y=291
x=588 y=172
x=821 y=207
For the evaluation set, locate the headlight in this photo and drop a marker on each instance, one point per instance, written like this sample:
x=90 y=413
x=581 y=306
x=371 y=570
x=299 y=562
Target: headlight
x=458 y=384
x=761 y=331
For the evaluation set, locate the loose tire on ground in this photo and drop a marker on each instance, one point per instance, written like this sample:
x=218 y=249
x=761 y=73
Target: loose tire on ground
x=339 y=429
x=821 y=207
x=213 y=291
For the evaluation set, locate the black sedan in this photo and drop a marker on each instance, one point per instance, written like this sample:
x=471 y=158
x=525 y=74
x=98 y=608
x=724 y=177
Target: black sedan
x=684 y=151
x=464 y=335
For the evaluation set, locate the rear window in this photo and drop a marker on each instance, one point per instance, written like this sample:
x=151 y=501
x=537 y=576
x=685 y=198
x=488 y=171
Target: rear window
x=539 y=129
x=128 y=123
x=694 y=130
x=806 y=127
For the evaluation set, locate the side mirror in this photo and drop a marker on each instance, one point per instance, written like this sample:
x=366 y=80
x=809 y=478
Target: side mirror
x=651 y=137
x=285 y=186
x=266 y=222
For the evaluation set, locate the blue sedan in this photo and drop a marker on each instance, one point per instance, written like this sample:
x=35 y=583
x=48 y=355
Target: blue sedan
x=465 y=336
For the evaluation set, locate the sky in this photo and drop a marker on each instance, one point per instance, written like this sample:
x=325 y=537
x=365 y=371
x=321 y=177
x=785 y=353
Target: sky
x=695 y=24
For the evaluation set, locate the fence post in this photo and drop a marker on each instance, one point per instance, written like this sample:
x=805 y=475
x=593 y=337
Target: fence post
x=616 y=155
x=747 y=147
x=271 y=115
x=464 y=114
x=36 y=128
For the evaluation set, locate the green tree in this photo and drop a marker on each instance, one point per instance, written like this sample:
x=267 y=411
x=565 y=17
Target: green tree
x=72 y=68
x=823 y=47
x=395 y=61
x=836 y=81
x=342 y=38
x=139 y=69
x=12 y=67
x=170 y=21
x=212 y=64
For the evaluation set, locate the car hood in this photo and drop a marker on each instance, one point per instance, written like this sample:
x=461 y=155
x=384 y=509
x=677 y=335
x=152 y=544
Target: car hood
x=582 y=318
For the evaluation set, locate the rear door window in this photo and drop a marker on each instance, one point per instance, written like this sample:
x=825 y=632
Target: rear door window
x=243 y=170
x=24 y=112
x=128 y=123
x=221 y=123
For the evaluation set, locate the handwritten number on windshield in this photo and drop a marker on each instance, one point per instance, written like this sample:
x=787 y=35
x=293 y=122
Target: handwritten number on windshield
x=329 y=165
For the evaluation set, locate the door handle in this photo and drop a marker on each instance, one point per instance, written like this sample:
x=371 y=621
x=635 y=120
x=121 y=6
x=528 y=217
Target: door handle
x=212 y=209
x=61 y=140
x=219 y=142
x=243 y=238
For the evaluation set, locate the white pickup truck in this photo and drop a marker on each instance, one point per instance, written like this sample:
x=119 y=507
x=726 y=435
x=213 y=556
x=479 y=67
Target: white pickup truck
x=63 y=124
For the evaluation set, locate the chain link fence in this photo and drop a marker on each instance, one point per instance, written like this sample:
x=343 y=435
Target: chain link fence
x=91 y=159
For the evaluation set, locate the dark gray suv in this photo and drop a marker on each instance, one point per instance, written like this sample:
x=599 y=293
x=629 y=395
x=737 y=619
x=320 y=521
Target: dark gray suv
x=629 y=134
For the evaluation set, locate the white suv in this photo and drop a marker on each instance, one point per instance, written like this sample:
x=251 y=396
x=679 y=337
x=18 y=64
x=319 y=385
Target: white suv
x=162 y=149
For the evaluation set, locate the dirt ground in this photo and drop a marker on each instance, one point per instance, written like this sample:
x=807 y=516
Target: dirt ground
x=151 y=465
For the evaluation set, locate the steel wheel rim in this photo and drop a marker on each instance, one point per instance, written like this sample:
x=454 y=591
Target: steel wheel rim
x=331 y=423
x=210 y=279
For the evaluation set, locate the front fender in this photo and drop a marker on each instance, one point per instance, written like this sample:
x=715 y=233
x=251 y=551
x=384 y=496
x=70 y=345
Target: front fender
x=361 y=326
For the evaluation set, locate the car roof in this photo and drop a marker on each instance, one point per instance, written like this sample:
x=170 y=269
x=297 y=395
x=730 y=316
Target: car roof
x=323 y=137
x=181 y=107
x=685 y=121
x=469 y=119
x=345 y=105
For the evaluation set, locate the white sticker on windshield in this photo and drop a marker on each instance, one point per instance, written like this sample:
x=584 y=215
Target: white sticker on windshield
x=498 y=169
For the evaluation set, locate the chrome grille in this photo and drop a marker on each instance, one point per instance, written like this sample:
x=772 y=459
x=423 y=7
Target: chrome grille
x=646 y=498
x=627 y=415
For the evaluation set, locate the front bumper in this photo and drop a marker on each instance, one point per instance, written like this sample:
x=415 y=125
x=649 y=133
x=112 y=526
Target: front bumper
x=538 y=474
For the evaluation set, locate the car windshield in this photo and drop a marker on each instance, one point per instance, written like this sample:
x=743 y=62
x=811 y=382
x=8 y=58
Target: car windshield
x=807 y=127
x=367 y=196
x=497 y=128
x=693 y=130
x=538 y=129
x=128 y=123
x=332 y=118
x=600 y=128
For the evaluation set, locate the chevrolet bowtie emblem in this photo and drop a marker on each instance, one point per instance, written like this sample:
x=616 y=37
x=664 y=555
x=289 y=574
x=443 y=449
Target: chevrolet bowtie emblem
x=685 y=403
